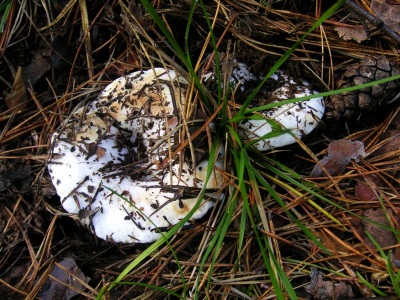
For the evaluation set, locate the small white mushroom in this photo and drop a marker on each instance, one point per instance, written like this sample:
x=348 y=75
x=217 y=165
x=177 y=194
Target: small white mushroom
x=118 y=141
x=299 y=118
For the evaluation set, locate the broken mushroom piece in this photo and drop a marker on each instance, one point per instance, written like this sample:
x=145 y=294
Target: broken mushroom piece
x=105 y=160
x=299 y=118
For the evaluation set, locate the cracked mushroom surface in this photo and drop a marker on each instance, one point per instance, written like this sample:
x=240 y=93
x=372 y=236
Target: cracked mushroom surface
x=117 y=142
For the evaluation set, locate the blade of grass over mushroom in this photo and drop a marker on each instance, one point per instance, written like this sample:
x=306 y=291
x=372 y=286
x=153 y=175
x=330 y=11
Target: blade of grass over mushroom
x=277 y=130
x=165 y=236
x=323 y=94
x=329 y=12
x=174 y=45
x=218 y=237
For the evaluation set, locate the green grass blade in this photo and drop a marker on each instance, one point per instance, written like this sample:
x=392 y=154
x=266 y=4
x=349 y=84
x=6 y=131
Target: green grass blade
x=324 y=94
x=329 y=12
x=165 y=236
x=274 y=268
x=276 y=197
x=370 y=286
x=4 y=10
x=174 y=45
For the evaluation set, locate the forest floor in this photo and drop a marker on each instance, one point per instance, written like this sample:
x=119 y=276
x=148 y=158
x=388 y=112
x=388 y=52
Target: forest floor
x=334 y=235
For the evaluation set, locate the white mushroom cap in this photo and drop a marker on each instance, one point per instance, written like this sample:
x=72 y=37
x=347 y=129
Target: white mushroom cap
x=300 y=118
x=118 y=141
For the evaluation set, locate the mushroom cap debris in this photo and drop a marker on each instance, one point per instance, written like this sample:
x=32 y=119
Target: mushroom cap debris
x=106 y=159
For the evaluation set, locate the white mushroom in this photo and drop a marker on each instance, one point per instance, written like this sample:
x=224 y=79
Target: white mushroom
x=299 y=118
x=118 y=141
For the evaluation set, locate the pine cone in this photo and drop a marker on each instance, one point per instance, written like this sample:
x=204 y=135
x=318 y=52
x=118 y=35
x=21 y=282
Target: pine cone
x=351 y=104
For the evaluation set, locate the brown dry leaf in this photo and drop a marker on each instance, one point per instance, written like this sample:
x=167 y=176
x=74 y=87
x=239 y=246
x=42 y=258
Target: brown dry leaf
x=321 y=289
x=16 y=100
x=53 y=289
x=336 y=247
x=357 y=34
x=389 y=14
x=123 y=66
x=392 y=145
x=340 y=153
x=388 y=151
x=365 y=192
x=35 y=70
x=382 y=236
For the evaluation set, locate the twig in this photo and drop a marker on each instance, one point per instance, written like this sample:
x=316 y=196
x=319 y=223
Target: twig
x=351 y=5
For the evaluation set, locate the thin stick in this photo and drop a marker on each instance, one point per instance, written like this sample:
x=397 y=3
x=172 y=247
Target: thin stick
x=361 y=12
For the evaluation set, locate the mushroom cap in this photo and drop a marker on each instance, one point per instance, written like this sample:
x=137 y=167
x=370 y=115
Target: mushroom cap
x=300 y=118
x=105 y=160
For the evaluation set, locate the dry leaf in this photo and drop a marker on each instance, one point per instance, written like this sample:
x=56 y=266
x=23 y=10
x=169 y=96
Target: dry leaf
x=392 y=145
x=382 y=236
x=35 y=70
x=389 y=14
x=340 y=153
x=365 y=192
x=57 y=288
x=357 y=34
x=333 y=245
x=321 y=289
x=16 y=100
x=125 y=65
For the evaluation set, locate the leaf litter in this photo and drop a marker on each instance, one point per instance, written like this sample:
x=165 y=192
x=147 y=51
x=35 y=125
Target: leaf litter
x=326 y=289
x=34 y=230
x=340 y=153
x=65 y=281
